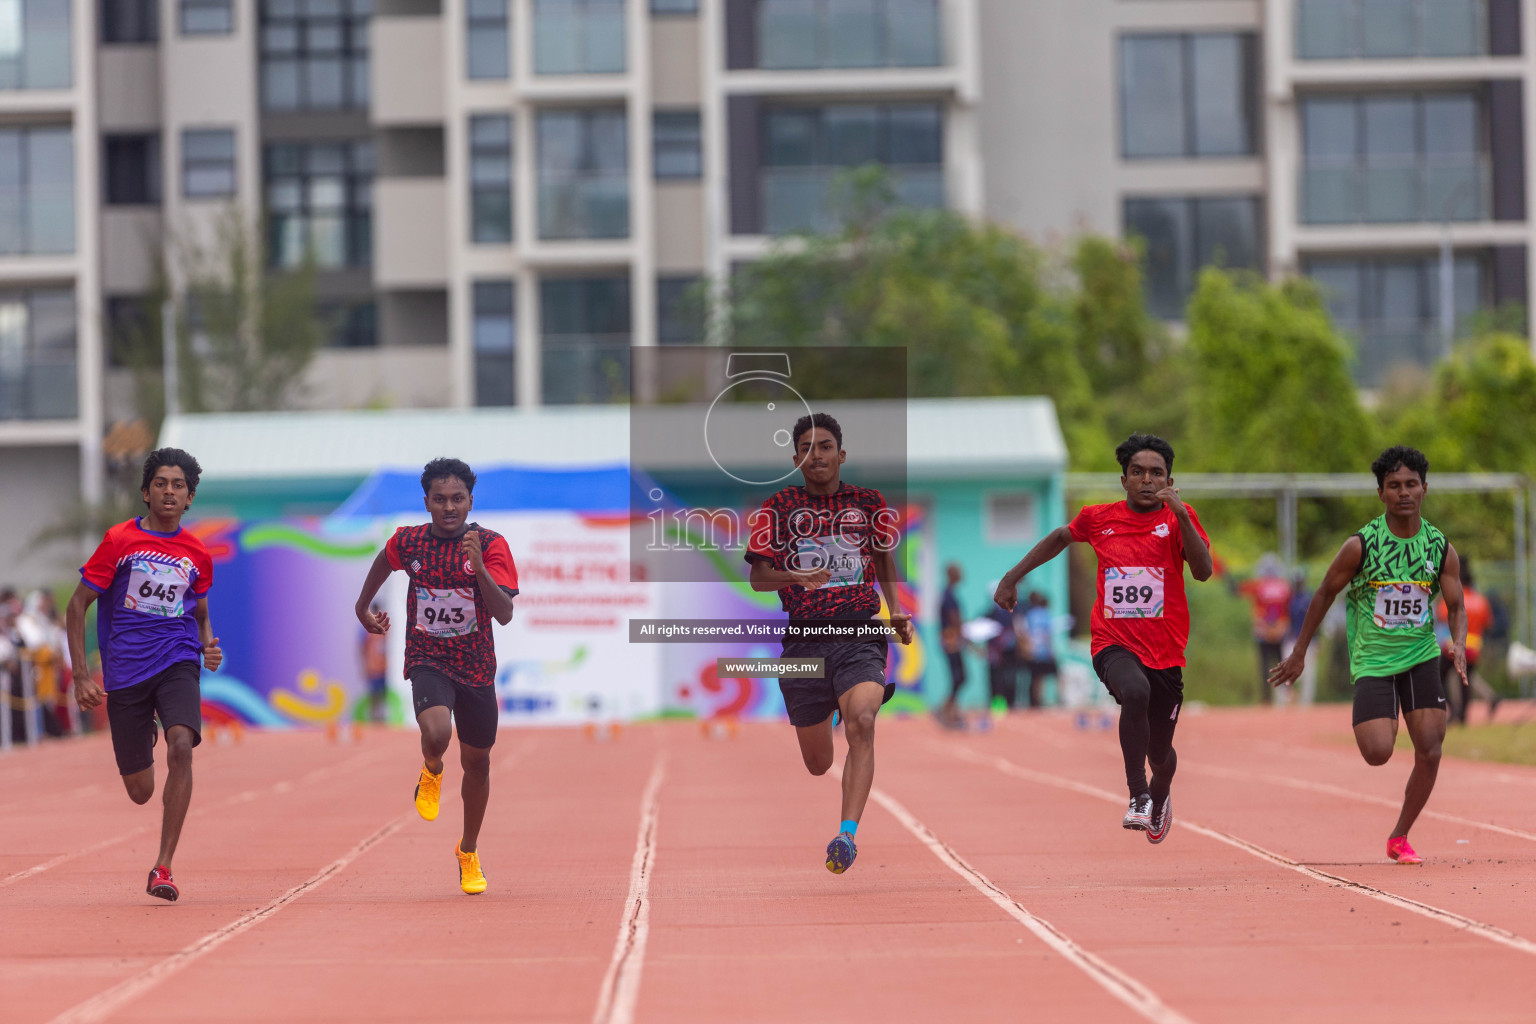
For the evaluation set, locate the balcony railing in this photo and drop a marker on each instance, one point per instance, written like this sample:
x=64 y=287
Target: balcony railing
x=38 y=389
x=585 y=368
x=594 y=205
x=1347 y=29
x=796 y=34
x=1412 y=192
x=804 y=198
x=37 y=220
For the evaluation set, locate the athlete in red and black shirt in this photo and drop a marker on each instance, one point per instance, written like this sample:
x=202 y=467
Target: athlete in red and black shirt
x=1140 y=616
x=823 y=546
x=462 y=576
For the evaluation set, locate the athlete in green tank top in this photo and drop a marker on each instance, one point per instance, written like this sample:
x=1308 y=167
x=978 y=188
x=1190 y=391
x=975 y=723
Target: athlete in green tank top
x=1391 y=572
x=1390 y=622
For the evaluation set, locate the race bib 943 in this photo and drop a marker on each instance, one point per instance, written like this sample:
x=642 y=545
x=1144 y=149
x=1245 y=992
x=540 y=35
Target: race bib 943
x=1133 y=592
x=1401 y=605
x=445 y=612
x=155 y=588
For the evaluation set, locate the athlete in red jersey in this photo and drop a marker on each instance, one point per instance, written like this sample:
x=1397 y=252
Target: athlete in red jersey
x=462 y=576
x=1140 y=616
x=824 y=546
x=154 y=635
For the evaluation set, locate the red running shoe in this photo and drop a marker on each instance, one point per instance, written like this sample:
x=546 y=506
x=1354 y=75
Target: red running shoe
x=160 y=884
x=1399 y=850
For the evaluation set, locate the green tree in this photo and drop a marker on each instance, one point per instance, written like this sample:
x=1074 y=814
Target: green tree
x=967 y=300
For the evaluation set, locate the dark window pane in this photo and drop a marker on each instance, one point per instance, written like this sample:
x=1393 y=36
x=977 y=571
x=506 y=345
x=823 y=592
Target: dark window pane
x=1152 y=91
x=852 y=135
x=1221 y=95
x=1227 y=233
x=791 y=138
x=916 y=135
x=207 y=17
x=131 y=167
x=677 y=144
x=207 y=163
x=680 y=316
x=1165 y=228
x=130 y=21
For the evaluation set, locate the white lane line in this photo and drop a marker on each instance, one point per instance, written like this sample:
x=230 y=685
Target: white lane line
x=1108 y=977
x=101 y=1006
x=239 y=798
x=1339 y=791
x=1458 y=921
x=621 y=985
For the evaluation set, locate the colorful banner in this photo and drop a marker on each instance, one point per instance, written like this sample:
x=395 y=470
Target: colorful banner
x=284 y=592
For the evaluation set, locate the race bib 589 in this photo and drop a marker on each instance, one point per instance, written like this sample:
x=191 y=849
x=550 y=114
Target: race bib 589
x=1133 y=592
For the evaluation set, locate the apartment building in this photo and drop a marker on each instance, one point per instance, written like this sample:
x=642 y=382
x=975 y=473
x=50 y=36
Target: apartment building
x=505 y=196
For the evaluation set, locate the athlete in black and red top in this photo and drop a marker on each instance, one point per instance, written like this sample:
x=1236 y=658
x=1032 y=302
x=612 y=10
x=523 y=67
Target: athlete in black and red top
x=823 y=546
x=1140 y=614
x=462 y=576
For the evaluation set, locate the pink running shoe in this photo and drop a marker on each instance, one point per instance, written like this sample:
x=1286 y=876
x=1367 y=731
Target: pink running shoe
x=1399 y=850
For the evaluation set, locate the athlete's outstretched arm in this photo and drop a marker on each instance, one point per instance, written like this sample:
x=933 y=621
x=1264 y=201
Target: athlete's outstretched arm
x=1345 y=564
x=1051 y=545
x=88 y=693
x=378 y=572
x=212 y=656
x=885 y=572
x=1455 y=608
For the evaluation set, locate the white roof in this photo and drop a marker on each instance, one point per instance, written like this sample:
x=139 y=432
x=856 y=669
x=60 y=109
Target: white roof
x=949 y=437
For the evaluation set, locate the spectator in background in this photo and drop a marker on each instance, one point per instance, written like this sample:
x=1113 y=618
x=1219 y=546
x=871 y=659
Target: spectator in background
x=951 y=640
x=1301 y=597
x=43 y=648
x=1003 y=656
x=1039 y=646
x=376 y=671
x=10 y=664
x=1479 y=619
x=1270 y=597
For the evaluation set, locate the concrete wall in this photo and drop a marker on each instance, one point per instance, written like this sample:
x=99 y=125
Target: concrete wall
x=42 y=486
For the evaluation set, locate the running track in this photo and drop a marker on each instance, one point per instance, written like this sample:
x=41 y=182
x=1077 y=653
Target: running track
x=666 y=877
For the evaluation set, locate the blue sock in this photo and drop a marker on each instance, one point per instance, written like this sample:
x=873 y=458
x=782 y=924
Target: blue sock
x=851 y=827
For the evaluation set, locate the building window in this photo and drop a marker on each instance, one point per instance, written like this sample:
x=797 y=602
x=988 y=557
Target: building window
x=490 y=178
x=495 y=343
x=578 y=37
x=1345 y=29
x=207 y=17
x=677 y=150
x=848 y=33
x=583 y=163
x=1012 y=518
x=207 y=163
x=34 y=44
x=1188 y=95
x=1391 y=306
x=314 y=54
x=352 y=326
x=37 y=191
x=130 y=21
x=320 y=203
x=487 y=40
x=680 y=311
x=586 y=325
x=806 y=149
x=37 y=355
x=1393 y=158
x=131 y=170
x=674 y=6
x=1182 y=236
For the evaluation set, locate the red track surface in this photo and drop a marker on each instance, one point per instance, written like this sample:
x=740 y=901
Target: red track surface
x=666 y=877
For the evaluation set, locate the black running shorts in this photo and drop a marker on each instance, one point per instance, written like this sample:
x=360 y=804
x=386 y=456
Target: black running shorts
x=475 y=711
x=173 y=695
x=1411 y=690
x=812 y=701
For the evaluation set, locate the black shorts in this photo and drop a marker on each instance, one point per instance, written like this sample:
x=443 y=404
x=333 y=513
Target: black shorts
x=475 y=711
x=812 y=701
x=1411 y=690
x=173 y=694
x=1167 y=683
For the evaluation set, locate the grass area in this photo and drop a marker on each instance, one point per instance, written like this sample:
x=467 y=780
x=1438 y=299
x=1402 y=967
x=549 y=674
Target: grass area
x=1504 y=742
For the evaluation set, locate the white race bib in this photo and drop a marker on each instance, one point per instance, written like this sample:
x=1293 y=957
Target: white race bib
x=445 y=612
x=845 y=561
x=157 y=589
x=1402 y=605
x=1133 y=592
